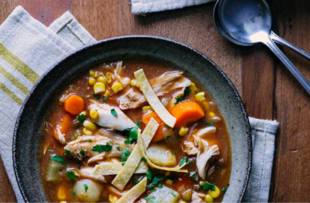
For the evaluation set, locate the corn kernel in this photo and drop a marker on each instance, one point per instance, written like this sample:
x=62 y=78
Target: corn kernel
x=116 y=87
x=206 y=105
x=183 y=131
x=91 y=81
x=200 y=96
x=147 y=108
x=208 y=198
x=87 y=132
x=90 y=126
x=99 y=87
x=133 y=82
x=214 y=194
x=93 y=114
x=61 y=193
x=107 y=93
x=182 y=201
x=211 y=114
x=102 y=79
x=193 y=87
x=92 y=73
x=112 y=198
x=109 y=77
x=169 y=182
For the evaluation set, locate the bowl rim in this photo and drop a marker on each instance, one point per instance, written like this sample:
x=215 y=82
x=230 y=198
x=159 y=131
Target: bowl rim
x=129 y=37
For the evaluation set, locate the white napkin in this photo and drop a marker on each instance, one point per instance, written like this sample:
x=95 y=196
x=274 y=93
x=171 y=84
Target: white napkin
x=150 y=6
x=28 y=49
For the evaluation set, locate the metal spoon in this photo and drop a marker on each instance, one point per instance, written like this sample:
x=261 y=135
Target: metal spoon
x=248 y=22
x=273 y=36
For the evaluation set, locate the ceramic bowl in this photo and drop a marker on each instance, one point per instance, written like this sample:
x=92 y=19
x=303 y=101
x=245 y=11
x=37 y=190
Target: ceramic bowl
x=138 y=48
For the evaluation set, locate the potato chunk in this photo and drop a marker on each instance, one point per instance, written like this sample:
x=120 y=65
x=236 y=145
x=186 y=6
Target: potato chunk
x=161 y=155
x=165 y=195
x=87 y=190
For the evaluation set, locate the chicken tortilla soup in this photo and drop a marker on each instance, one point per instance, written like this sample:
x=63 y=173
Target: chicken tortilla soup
x=135 y=132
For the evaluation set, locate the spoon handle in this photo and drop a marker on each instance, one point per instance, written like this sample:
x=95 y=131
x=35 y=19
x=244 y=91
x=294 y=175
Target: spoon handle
x=302 y=80
x=281 y=41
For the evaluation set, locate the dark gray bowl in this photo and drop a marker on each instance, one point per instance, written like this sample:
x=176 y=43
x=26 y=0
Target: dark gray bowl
x=145 y=48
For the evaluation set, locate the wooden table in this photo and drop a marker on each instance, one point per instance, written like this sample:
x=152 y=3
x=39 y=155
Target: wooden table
x=267 y=88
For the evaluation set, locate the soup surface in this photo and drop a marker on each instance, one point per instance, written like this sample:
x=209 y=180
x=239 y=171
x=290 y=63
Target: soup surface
x=95 y=146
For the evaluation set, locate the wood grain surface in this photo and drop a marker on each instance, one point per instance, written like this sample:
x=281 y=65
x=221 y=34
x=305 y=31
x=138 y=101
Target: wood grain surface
x=267 y=88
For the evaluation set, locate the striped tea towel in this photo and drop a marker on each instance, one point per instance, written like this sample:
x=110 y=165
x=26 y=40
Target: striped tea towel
x=150 y=6
x=28 y=49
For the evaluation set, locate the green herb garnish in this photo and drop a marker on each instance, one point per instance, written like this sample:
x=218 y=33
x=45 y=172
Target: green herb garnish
x=58 y=158
x=173 y=194
x=224 y=189
x=97 y=96
x=186 y=92
x=127 y=152
x=149 y=197
x=208 y=123
x=73 y=193
x=79 y=166
x=67 y=152
x=113 y=112
x=143 y=159
x=168 y=137
x=192 y=175
x=133 y=135
x=208 y=186
x=71 y=175
x=85 y=187
x=123 y=158
x=149 y=175
x=118 y=148
x=105 y=99
x=138 y=123
x=50 y=150
x=183 y=161
x=167 y=126
x=160 y=185
x=100 y=148
x=173 y=153
x=82 y=152
x=81 y=118
x=299 y=107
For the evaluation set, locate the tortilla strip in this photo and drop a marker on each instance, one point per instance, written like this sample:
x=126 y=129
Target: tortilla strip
x=143 y=142
x=134 y=159
x=134 y=192
x=115 y=168
x=153 y=100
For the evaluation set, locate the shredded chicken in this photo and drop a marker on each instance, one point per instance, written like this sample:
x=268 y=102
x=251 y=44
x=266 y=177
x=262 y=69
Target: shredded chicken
x=86 y=172
x=59 y=136
x=205 y=132
x=161 y=86
x=190 y=148
x=205 y=153
x=197 y=197
x=87 y=142
x=106 y=119
x=118 y=72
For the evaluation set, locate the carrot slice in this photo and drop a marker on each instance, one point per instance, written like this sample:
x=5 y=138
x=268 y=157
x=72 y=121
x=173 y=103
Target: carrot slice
x=65 y=124
x=186 y=113
x=159 y=133
x=74 y=104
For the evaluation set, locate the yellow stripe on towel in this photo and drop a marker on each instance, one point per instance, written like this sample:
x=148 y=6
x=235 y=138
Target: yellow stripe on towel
x=18 y=64
x=11 y=94
x=14 y=80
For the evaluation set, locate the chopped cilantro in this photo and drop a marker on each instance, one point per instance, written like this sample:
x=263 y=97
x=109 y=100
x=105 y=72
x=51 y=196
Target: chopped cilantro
x=173 y=153
x=192 y=175
x=58 y=158
x=160 y=185
x=79 y=166
x=143 y=159
x=118 y=148
x=173 y=194
x=196 y=92
x=138 y=123
x=105 y=99
x=100 y=148
x=96 y=96
x=123 y=158
x=149 y=197
x=218 y=167
x=133 y=135
x=168 y=137
x=127 y=152
x=167 y=126
x=299 y=107
x=71 y=175
x=82 y=152
x=127 y=142
x=50 y=150
x=149 y=175
x=208 y=123
x=183 y=161
x=188 y=161
x=159 y=177
x=113 y=112
x=186 y=92
x=224 y=189
x=85 y=187
x=81 y=118
x=153 y=190
x=208 y=186
x=67 y=152
x=89 y=140
x=73 y=193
